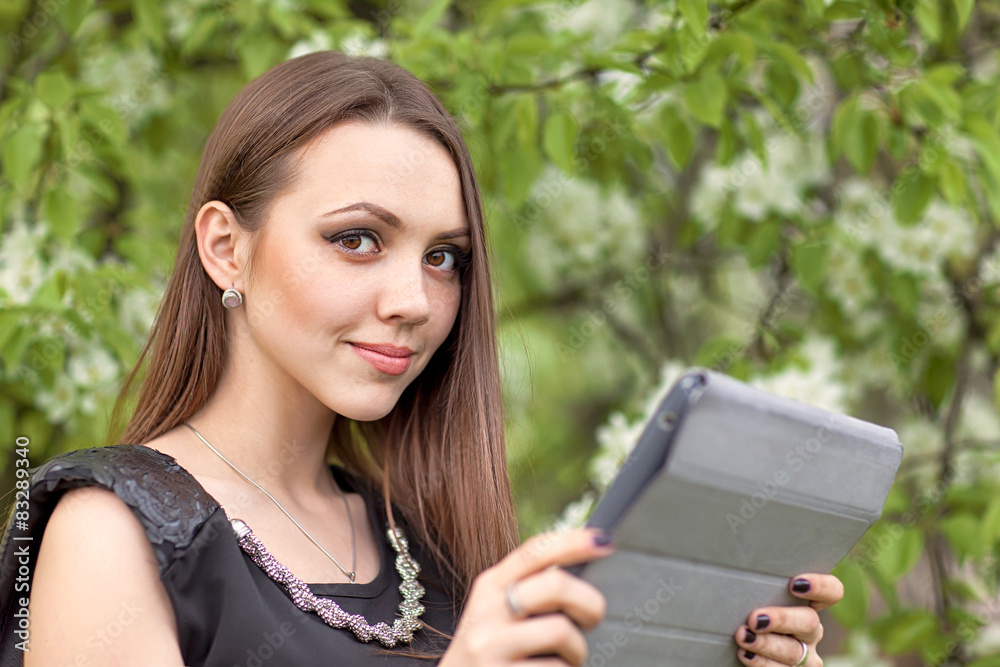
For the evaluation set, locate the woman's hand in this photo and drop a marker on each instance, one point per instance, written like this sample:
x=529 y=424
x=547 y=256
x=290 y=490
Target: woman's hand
x=772 y=635
x=554 y=605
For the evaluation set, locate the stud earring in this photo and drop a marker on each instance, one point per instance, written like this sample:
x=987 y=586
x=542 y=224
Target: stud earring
x=232 y=298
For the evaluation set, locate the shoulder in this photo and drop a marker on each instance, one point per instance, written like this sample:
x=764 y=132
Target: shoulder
x=168 y=502
x=96 y=573
x=90 y=527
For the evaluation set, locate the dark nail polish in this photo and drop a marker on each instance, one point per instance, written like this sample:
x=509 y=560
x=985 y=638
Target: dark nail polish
x=801 y=585
x=763 y=621
x=749 y=636
x=603 y=539
x=749 y=655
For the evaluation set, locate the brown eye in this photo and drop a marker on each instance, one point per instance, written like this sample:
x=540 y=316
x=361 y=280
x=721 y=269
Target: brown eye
x=357 y=242
x=437 y=258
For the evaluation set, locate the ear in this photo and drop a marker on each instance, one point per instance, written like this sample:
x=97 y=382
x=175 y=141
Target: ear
x=221 y=244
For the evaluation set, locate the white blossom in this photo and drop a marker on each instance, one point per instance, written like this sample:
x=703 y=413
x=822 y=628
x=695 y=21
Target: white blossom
x=22 y=270
x=980 y=420
x=819 y=385
x=60 y=401
x=576 y=230
x=847 y=280
x=318 y=41
x=92 y=367
x=710 y=195
x=133 y=81
x=576 y=513
x=862 y=651
x=604 y=20
x=920 y=435
x=137 y=310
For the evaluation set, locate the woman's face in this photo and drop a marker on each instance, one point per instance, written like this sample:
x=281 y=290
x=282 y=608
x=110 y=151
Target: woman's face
x=356 y=275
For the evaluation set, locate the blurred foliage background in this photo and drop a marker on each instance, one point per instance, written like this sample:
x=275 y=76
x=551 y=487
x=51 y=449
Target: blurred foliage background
x=802 y=194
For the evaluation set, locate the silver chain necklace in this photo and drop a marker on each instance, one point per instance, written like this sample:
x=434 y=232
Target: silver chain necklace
x=354 y=555
x=410 y=609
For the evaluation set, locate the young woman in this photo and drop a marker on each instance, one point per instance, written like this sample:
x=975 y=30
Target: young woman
x=331 y=301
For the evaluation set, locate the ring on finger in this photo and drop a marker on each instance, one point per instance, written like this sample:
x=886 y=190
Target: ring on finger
x=514 y=601
x=805 y=654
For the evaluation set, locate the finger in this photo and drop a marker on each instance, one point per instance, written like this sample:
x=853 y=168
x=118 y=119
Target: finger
x=548 y=635
x=800 y=622
x=554 y=548
x=783 y=649
x=757 y=660
x=555 y=590
x=823 y=590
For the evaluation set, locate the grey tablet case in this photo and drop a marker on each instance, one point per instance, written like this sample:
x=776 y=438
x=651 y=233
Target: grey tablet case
x=729 y=493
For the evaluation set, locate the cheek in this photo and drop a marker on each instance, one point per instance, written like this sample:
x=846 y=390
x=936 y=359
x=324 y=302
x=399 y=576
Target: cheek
x=448 y=305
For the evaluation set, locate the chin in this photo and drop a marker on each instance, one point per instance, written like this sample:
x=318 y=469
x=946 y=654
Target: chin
x=366 y=411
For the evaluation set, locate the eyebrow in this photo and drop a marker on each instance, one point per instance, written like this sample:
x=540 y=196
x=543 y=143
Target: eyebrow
x=389 y=218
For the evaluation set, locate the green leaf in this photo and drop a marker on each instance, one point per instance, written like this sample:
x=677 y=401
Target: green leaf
x=22 y=152
x=907 y=630
x=911 y=195
x=258 y=51
x=706 y=98
x=679 y=137
x=696 y=14
x=54 y=88
x=764 y=240
x=898 y=552
x=526 y=116
x=72 y=13
x=559 y=139
x=430 y=17
x=150 y=21
x=791 y=57
x=963 y=533
x=7 y=418
x=809 y=265
x=16 y=345
x=814 y=7
x=852 y=610
x=856 y=135
x=951 y=183
x=727 y=145
x=62 y=212
x=987 y=142
x=729 y=44
x=844 y=10
x=986 y=661
x=989 y=530
x=928 y=17
x=929 y=103
x=996 y=389
x=964 y=10
x=781 y=82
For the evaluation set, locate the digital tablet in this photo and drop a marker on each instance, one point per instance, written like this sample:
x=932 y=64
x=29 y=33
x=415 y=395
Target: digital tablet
x=729 y=493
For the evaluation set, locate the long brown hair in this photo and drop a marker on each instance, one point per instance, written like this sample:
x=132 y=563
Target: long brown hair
x=439 y=454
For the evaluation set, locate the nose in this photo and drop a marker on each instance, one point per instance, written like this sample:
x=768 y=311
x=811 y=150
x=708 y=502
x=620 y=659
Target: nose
x=403 y=297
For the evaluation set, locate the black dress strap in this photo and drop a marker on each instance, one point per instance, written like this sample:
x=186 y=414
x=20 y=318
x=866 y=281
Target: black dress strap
x=168 y=501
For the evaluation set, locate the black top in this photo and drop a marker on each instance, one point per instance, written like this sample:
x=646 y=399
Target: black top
x=228 y=611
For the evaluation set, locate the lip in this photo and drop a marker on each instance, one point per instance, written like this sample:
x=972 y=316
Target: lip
x=388 y=359
x=386 y=349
